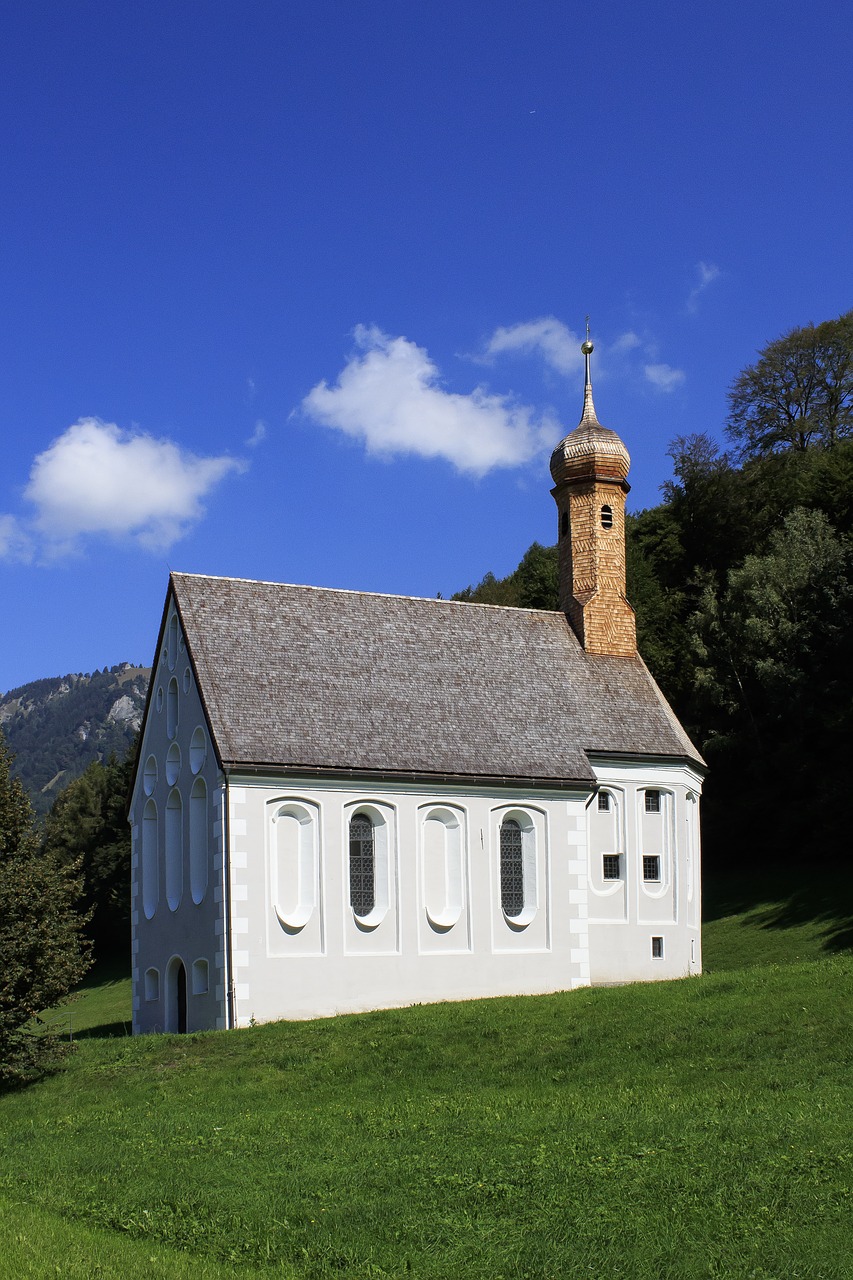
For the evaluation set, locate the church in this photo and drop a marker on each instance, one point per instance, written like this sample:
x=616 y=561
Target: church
x=348 y=801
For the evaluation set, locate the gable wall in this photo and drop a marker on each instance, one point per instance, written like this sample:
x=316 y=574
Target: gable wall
x=176 y=828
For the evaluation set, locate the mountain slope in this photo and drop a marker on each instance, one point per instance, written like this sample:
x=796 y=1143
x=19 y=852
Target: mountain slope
x=57 y=726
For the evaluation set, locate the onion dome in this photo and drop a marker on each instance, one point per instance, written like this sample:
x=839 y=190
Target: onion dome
x=591 y=450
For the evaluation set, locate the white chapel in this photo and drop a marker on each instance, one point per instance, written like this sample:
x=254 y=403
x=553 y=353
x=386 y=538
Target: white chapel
x=347 y=801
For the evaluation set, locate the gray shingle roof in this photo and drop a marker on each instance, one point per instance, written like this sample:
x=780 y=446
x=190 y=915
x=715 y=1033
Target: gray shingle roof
x=315 y=679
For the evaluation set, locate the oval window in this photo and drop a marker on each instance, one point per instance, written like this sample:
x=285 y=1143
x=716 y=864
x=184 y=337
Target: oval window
x=173 y=764
x=442 y=868
x=149 y=776
x=198 y=749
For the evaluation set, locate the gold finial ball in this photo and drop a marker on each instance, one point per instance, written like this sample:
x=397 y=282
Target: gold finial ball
x=587 y=348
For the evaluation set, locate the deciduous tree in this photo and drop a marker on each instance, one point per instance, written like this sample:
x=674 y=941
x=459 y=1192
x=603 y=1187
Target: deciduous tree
x=798 y=393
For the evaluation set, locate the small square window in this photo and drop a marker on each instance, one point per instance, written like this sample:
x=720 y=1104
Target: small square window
x=604 y=801
x=652 y=802
x=657 y=948
x=651 y=866
x=611 y=866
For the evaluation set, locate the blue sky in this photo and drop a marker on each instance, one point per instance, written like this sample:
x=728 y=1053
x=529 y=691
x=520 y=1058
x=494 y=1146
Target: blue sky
x=295 y=292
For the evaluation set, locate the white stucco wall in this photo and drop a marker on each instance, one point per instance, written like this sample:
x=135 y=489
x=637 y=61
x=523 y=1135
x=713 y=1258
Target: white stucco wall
x=423 y=942
x=626 y=914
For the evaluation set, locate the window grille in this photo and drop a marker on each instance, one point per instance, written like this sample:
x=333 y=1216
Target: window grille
x=362 y=865
x=652 y=802
x=611 y=866
x=606 y=517
x=512 y=869
x=657 y=948
x=651 y=866
x=604 y=801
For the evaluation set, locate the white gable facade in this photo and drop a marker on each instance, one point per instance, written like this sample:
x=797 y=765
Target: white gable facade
x=347 y=802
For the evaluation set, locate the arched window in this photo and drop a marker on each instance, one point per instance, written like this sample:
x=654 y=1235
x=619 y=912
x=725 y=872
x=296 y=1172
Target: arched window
x=362 y=865
x=200 y=980
x=172 y=708
x=606 y=517
x=443 y=873
x=294 y=864
x=174 y=849
x=172 y=643
x=512 y=868
x=150 y=860
x=198 y=840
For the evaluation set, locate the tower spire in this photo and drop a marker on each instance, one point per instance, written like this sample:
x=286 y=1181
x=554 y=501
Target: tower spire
x=590 y=472
x=587 y=348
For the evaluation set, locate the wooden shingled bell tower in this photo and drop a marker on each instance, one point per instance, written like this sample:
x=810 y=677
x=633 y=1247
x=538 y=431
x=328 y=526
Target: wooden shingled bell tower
x=590 y=468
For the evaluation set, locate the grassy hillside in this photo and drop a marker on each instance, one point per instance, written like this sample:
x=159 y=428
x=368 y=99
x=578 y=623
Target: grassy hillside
x=696 y=1129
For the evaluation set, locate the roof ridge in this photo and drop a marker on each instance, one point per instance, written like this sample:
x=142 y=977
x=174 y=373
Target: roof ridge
x=357 y=591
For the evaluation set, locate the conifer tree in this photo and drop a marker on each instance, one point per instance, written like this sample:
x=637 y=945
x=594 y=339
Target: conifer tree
x=42 y=955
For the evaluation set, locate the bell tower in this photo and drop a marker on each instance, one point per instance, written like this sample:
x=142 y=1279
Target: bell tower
x=590 y=468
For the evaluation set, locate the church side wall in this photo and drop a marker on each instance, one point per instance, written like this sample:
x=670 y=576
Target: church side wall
x=178 y=956
x=436 y=929
x=644 y=872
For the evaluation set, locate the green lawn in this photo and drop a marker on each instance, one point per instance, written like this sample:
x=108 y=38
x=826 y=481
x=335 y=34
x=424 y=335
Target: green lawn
x=698 y=1129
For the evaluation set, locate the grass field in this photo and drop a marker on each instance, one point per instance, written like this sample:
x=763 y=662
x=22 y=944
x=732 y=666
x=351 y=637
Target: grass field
x=697 y=1129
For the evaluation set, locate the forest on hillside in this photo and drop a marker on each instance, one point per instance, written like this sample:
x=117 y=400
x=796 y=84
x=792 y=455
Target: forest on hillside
x=742 y=583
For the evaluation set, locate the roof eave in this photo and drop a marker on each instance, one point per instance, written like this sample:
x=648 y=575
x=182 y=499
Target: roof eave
x=327 y=772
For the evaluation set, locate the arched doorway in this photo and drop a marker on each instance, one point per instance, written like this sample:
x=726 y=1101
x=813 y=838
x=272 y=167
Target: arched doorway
x=176 y=996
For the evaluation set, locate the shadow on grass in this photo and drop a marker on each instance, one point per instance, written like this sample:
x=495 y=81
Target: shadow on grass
x=786 y=900
x=106 y=1029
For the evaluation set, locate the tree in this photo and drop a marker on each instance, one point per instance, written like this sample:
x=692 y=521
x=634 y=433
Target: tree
x=42 y=955
x=774 y=650
x=87 y=828
x=799 y=392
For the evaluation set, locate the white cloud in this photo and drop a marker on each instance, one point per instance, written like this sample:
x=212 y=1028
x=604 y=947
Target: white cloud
x=389 y=395
x=97 y=479
x=663 y=376
x=707 y=273
x=15 y=545
x=259 y=434
x=627 y=342
x=556 y=343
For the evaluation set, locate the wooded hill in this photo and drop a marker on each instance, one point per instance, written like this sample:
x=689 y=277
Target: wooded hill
x=56 y=727
x=742 y=582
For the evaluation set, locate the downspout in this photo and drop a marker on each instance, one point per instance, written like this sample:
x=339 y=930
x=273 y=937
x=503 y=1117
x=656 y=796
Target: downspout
x=227 y=959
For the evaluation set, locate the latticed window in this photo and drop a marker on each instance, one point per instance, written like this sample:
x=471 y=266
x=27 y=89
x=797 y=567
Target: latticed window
x=651 y=866
x=604 y=802
x=362 y=865
x=512 y=868
x=611 y=866
x=652 y=802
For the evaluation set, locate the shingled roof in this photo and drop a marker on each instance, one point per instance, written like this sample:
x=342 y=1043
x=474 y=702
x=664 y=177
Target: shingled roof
x=311 y=679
